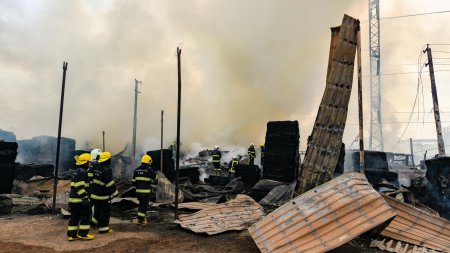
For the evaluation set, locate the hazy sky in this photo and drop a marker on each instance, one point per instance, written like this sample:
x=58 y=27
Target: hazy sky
x=243 y=63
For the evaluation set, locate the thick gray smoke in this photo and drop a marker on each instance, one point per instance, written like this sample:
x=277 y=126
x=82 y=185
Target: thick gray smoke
x=243 y=63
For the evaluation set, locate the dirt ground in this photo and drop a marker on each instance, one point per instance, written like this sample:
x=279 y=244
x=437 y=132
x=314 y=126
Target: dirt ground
x=46 y=233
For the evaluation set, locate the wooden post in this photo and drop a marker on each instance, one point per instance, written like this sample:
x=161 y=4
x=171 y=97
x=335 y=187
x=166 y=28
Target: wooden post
x=58 y=142
x=437 y=116
x=162 y=136
x=177 y=174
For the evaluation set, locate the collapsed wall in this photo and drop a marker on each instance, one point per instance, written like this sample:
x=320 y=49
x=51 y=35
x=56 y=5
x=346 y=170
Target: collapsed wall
x=324 y=144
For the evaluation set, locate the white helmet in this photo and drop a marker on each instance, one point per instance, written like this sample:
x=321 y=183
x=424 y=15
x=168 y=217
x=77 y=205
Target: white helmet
x=95 y=154
x=234 y=157
x=251 y=144
x=216 y=147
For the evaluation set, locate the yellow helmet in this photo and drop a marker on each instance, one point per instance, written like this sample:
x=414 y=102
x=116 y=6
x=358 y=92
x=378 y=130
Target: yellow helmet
x=262 y=144
x=82 y=159
x=105 y=156
x=146 y=159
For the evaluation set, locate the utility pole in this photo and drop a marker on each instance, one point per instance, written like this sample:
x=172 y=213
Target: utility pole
x=136 y=92
x=58 y=143
x=162 y=136
x=104 y=141
x=362 y=167
x=412 y=151
x=376 y=130
x=437 y=116
x=177 y=174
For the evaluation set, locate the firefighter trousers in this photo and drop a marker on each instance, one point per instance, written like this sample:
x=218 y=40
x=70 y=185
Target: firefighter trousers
x=80 y=219
x=102 y=212
x=143 y=206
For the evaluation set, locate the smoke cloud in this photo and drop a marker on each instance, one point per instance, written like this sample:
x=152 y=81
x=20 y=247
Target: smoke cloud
x=244 y=63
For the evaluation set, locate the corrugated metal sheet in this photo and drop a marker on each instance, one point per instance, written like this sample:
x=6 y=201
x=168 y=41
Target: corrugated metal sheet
x=417 y=227
x=323 y=218
x=196 y=205
x=324 y=144
x=237 y=214
x=400 y=247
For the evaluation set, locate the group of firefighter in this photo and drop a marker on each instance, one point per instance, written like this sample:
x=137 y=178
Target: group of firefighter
x=92 y=188
x=217 y=156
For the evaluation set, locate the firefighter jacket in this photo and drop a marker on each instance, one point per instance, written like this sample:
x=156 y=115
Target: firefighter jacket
x=90 y=174
x=143 y=177
x=233 y=164
x=251 y=152
x=78 y=184
x=216 y=156
x=103 y=186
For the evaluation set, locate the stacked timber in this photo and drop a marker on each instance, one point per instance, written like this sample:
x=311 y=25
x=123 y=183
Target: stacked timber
x=168 y=162
x=8 y=153
x=281 y=156
x=324 y=144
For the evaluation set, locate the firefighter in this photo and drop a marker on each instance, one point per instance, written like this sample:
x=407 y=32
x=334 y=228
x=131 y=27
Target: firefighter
x=232 y=167
x=79 y=206
x=263 y=148
x=216 y=156
x=95 y=155
x=103 y=190
x=251 y=154
x=143 y=177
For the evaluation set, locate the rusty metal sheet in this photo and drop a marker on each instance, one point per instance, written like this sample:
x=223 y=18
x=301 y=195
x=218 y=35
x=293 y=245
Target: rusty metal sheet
x=400 y=247
x=418 y=227
x=236 y=214
x=324 y=143
x=196 y=205
x=323 y=218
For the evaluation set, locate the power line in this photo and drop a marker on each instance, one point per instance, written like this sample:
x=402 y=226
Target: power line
x=417 y=14
x=412 y=15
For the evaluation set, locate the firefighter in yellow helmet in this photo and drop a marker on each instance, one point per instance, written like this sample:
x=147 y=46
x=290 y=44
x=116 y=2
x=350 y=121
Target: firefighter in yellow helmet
x=143 y=177
x=79 y=204
x=103 y=189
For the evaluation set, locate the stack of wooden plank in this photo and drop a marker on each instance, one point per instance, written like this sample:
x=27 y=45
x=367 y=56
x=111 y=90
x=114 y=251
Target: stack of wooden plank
x=281 y=156
x=8 y=153
x=324 y=144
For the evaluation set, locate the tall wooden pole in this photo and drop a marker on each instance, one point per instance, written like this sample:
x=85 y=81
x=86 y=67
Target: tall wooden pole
x=177 y=174
x=412 y=151
x=437 y=116
x=133 y=148
x=58 y=142
x=162 y=138
x=360 y=107
x=104 y=148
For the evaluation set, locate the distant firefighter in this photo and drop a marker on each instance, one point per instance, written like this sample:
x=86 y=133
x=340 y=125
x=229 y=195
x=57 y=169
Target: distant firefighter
x=79 y=204
x=143 y=177
x=216 y=156
x=232 y=167
x=251 y=154
x=103 y=190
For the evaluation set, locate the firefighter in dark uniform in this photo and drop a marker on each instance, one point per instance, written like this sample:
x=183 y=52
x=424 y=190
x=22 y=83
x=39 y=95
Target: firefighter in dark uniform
x=95 y=155
x=216 y=156
x=79 y=206
x=232 y=167
x=263 y=148
x=143 y=177
x=251 y=154
x=103 y=190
